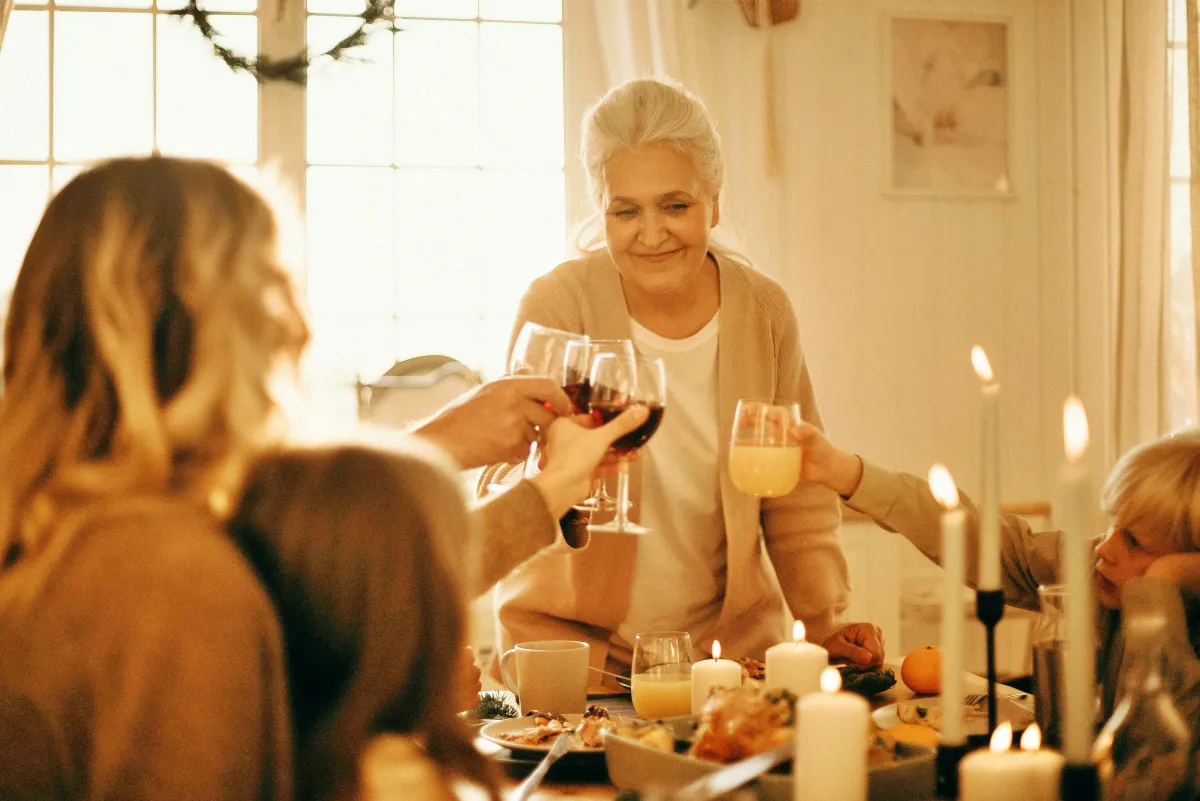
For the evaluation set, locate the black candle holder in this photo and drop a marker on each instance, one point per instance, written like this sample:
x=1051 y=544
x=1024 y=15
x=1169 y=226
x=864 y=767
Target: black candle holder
x=948 y=757
x=989 y=608
x=1080 y=782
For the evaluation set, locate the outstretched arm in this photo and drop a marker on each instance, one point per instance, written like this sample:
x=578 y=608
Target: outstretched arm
x=902 y=503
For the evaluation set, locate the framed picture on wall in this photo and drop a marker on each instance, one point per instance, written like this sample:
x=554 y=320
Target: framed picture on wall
x=949 y=115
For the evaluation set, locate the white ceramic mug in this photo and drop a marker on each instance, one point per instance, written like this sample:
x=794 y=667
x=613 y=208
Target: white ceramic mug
x=551 y=675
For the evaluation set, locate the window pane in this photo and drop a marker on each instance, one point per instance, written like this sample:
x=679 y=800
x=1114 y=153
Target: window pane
x=350 y=241
x=437 y=93
x=25 y=86
x=110 y=3
x=521 y=86
x=336 y=6
x=1178 y=30
x=24 y=191
x=437 y=252
x=248 y=6
x=524 y=225
x=102 y=84
x=204 y=108
x=1180 y=159
x=346 y=346
x=448 y=332
x=1181 y=364
x=522 y=10
x=62 y=174
x=441 y=9
x=349 y=113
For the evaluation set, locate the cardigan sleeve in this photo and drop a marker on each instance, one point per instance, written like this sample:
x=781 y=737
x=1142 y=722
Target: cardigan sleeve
x=801 y=528
x=515 y=524
x=902 y=503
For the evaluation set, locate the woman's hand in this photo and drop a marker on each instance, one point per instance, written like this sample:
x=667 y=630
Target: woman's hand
x=859 y=643
x=824 y=463
x=470 y=681
x=1180 y=569
x=574 y=450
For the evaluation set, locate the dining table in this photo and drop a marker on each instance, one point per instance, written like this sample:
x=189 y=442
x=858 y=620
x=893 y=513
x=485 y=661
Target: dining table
x=588 y=781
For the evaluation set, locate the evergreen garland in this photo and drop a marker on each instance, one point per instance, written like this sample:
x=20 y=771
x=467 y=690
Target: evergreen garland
x=293 y=69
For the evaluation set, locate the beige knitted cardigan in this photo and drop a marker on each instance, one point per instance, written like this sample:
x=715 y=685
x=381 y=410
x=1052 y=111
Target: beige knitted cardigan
x=583 y=593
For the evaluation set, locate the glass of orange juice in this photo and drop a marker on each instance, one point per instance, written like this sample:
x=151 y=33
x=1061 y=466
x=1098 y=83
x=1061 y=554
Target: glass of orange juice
x=762 y=460
x=661 y=676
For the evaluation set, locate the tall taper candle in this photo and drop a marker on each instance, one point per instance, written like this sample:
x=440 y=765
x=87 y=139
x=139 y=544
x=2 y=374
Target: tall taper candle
x=1077 y=502
x=989 y=534
x=953 y=564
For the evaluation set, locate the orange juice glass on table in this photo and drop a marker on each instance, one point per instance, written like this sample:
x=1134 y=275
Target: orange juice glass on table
x=762 y=460
x=661 y=675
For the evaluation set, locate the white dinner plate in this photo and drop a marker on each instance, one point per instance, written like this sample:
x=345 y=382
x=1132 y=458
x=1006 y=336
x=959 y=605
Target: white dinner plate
x=1017 y=710
x=492 y=731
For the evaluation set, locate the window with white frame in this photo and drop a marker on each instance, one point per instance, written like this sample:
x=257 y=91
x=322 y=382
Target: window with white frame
x=434 y=188
x=98 y=78
x=1181 y=327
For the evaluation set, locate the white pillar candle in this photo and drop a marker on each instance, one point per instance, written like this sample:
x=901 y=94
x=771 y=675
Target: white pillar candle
x=1001 y=774
x=1077 y=504
x=831 y=743
x=796 y=666
x=954 y=568
x=709 y=674
x=989 y=524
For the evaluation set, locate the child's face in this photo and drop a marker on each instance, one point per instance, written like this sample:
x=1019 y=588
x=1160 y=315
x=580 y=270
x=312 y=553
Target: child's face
x=1125 y=554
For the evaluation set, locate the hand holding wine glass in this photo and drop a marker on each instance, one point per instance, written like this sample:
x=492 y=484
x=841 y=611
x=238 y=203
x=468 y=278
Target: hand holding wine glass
x=544 y=351
x=619 y=381
x=600 y=500
x=764 y=460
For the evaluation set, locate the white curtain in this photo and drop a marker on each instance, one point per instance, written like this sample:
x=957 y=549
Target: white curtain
x=709 y=49
x=1143 y=149
x=6 y=7
x=1193 y=70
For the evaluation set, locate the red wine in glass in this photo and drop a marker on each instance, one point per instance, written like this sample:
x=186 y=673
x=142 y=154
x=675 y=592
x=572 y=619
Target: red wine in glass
x=604 y=412
x=578 y=389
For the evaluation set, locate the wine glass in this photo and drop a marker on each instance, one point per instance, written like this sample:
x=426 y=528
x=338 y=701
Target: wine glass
x=600 y=500
x=660 y=678
x=763 y=460
x=544 y=351
x=618 y=382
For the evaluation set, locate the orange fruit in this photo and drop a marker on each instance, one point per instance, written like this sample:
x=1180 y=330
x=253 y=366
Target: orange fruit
x=921 y=670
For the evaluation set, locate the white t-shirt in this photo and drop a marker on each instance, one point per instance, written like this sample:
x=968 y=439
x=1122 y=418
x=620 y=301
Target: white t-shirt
x=679 y=576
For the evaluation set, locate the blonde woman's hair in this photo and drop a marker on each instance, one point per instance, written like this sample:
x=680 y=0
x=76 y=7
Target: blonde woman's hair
x=363 y=553
x=646 y=111
x=1157 y=486
x=144 y=328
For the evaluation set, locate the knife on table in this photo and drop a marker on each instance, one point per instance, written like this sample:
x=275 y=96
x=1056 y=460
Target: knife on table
x=533 y=780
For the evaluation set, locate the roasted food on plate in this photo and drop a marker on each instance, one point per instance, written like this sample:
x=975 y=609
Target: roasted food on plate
x=593 y=726
x=741 y=722
x=548 y=725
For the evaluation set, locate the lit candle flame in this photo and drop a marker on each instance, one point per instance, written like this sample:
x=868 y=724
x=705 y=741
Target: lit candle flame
x=1031 y=740
x=1001 y=738
x=716 y=650
x=983 y=368
x=1075 y=428
x=941 y=484
x=798 y=631
x=831 y=680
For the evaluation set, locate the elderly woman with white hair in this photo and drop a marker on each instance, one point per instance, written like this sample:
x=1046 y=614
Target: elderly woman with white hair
x=724 y=331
